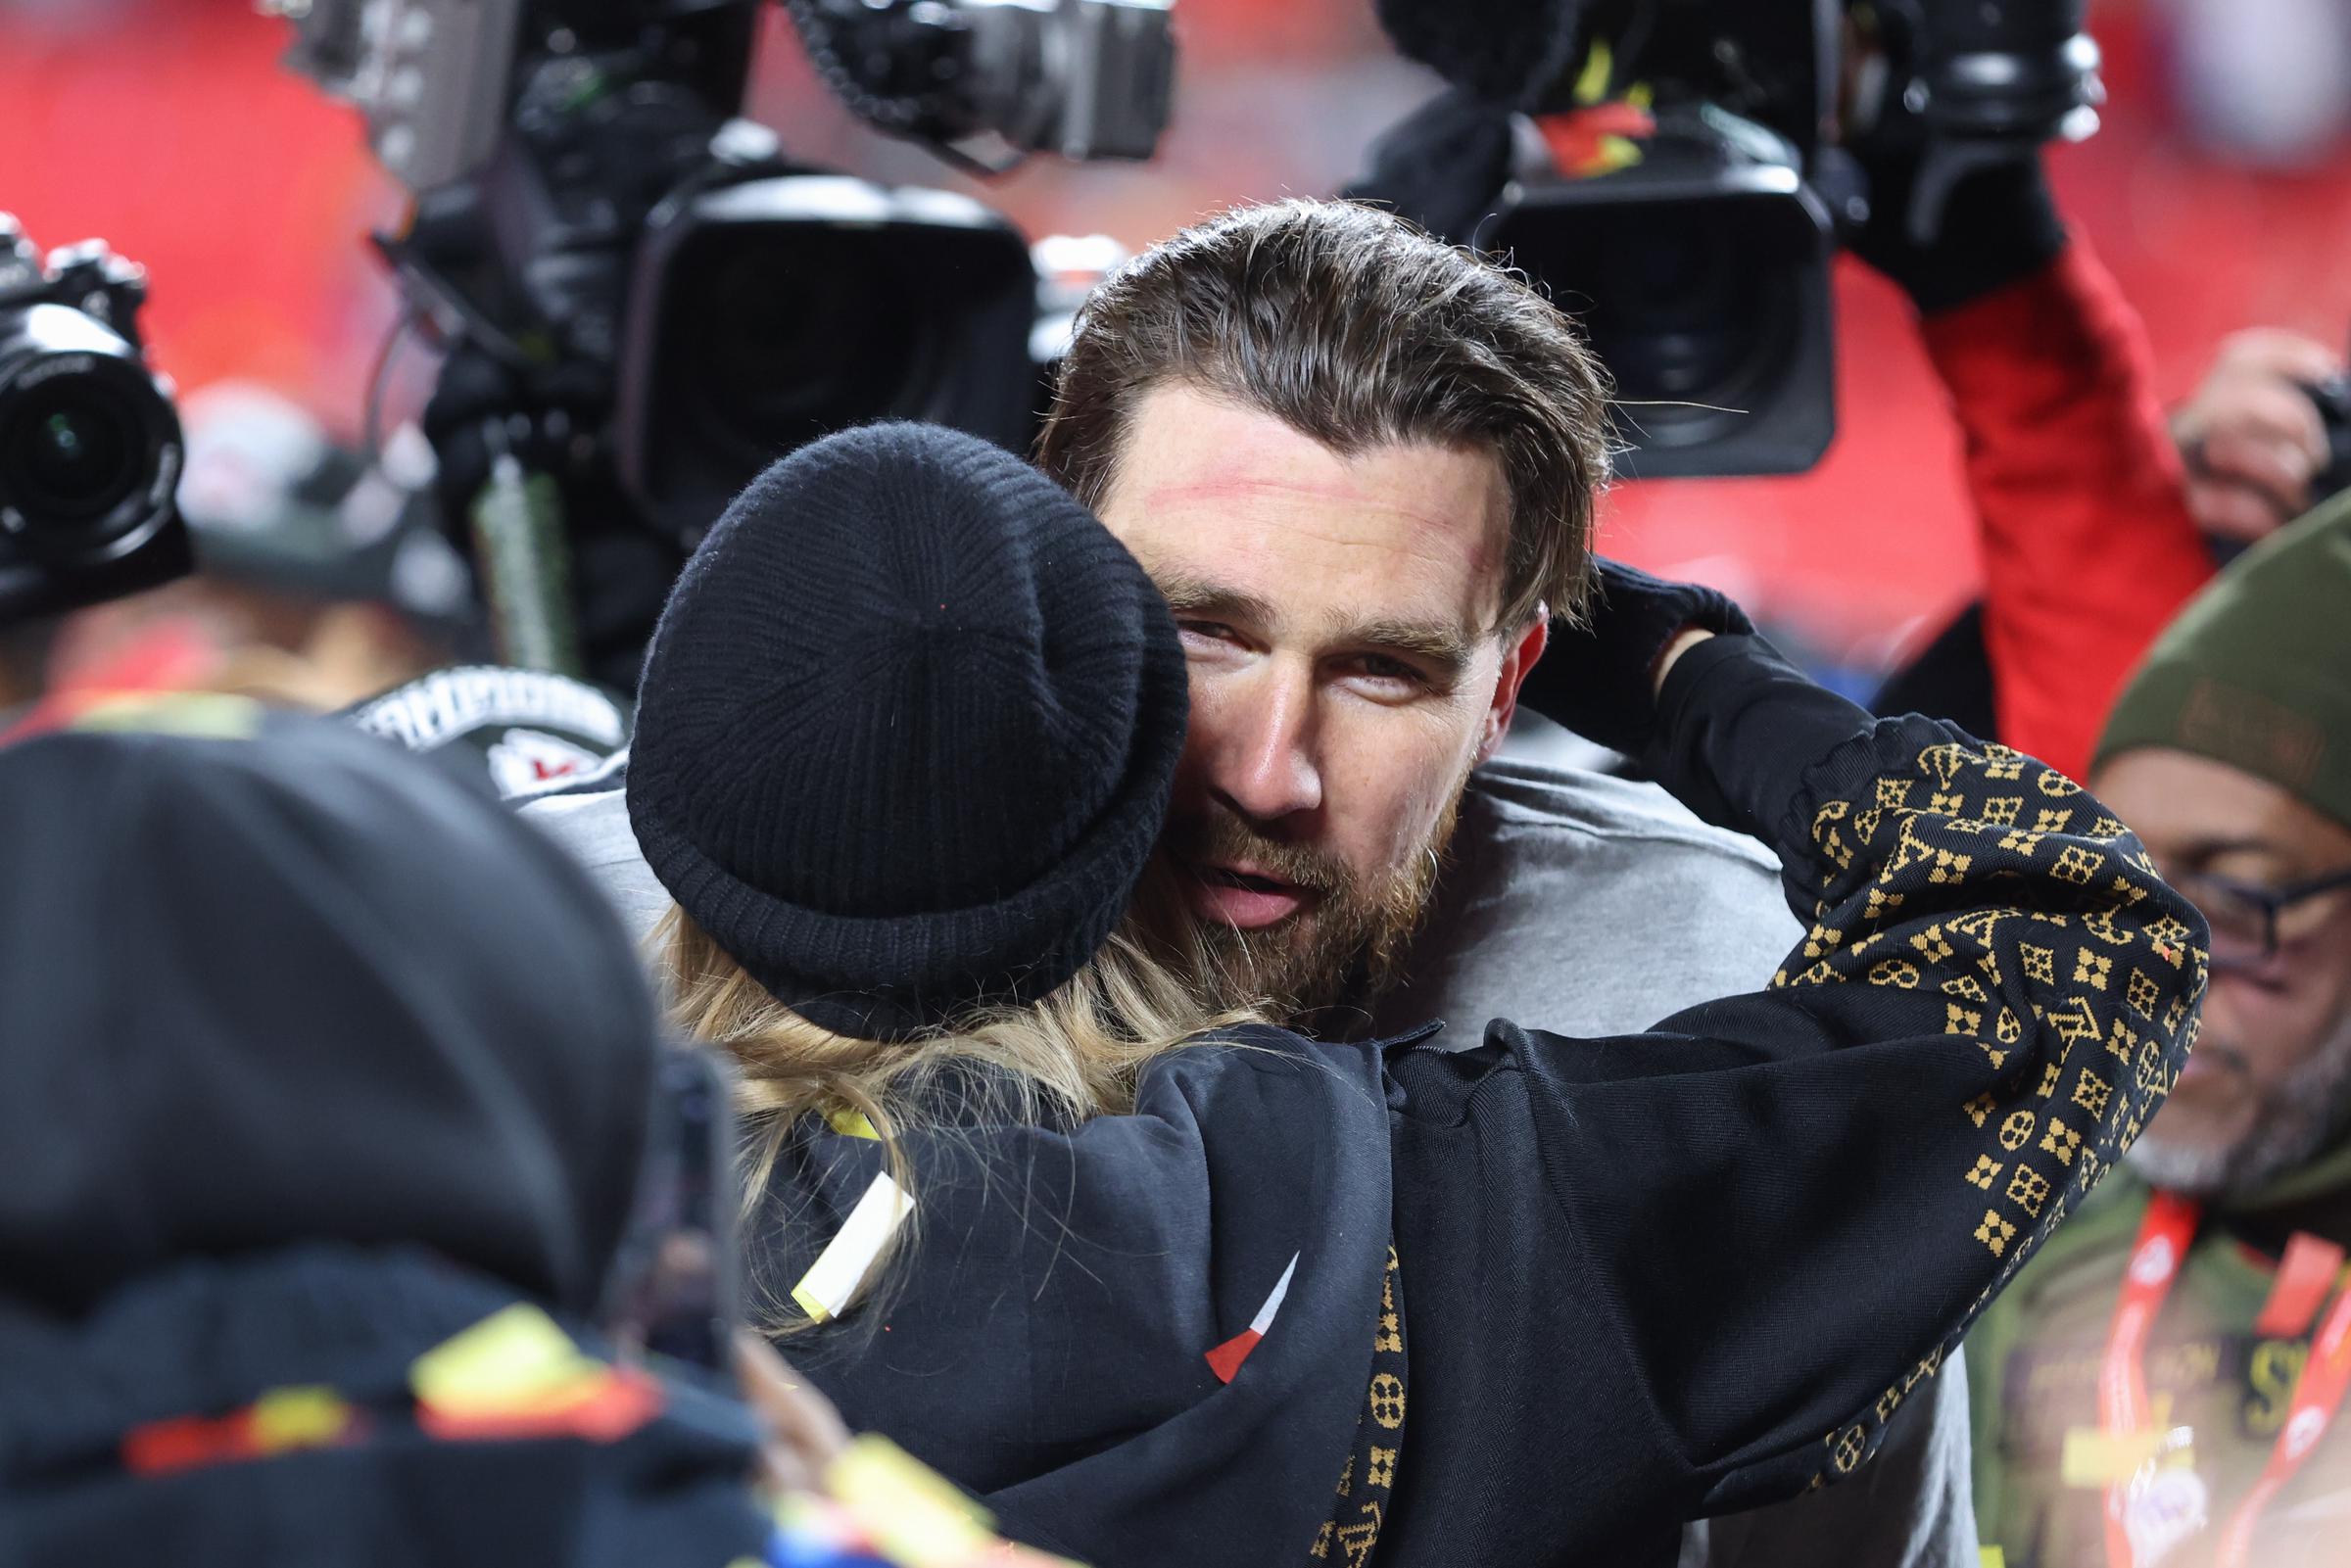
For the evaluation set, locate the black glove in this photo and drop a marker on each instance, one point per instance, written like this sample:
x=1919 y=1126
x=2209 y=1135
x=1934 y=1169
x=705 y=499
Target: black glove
x=1997 y=223
x=1507 y=52
x=2000 y=225
x=1601 y=678
x=1443 y=165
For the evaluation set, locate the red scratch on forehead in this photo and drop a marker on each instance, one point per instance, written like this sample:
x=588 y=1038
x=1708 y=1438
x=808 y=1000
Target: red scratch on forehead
x=1339 y=515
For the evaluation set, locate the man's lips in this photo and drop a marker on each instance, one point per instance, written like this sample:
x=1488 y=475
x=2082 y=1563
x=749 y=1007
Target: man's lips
x=1241 y=896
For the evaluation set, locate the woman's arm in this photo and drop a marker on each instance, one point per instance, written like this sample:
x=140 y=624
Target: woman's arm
x=1767 y=1218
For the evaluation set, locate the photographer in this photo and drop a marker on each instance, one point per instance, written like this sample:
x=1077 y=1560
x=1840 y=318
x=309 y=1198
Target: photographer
x=2098 y=520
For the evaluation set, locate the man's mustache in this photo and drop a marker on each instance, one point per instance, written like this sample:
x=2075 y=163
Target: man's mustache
x=1222 y=837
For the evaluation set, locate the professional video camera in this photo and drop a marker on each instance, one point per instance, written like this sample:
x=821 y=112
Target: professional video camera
x=644 y=303
x=1684 y=165
x=89 y=445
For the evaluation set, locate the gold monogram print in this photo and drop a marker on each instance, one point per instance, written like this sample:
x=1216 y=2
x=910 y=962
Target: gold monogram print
x=2115 y=995
x=1352 y=1531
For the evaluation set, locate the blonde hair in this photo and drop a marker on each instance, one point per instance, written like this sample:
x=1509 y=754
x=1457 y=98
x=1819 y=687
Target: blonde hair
x=1074 y=1054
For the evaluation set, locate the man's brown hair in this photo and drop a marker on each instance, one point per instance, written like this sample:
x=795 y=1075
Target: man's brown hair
x=1355 y=328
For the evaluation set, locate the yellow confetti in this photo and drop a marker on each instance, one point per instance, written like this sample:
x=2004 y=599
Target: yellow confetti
x=1598 y=65
x=511 y=1363
x=1615 y=153
x=1990 y=1558
x=301 y=1417
x=914 y=1514
x=850 y=1123
x=833 y=1280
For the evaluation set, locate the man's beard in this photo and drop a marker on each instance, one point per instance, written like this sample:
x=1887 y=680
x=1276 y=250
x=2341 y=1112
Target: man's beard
x=2296 y=1119
x=1347 y=945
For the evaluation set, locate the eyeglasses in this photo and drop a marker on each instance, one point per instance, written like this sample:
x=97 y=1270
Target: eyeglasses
x=2243 y=915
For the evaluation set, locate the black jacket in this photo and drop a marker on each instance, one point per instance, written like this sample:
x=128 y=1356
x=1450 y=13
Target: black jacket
x=311 y=1058
x=87 y=1401
x=1635 y=1281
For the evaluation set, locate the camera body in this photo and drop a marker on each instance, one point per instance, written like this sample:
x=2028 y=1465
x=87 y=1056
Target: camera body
x=989 y=82
x=91 y=450
x=1684 y=187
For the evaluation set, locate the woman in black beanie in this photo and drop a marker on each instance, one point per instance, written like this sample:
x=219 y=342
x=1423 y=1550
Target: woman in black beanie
x=1168 y=1288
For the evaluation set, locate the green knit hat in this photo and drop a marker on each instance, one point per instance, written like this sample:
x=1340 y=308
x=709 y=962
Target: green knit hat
x=2256 y=672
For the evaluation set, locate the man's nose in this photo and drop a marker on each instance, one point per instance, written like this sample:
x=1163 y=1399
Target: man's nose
x=1264 y=764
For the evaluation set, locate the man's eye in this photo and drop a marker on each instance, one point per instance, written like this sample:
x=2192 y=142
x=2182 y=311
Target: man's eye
x=1209 y=630
x=1379 y=667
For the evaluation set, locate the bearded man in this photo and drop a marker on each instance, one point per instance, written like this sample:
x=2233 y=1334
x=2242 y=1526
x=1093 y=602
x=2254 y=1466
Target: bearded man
x=2163 y=1378
x=1362 y=465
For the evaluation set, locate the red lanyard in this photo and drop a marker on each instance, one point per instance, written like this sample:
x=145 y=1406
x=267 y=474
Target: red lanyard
x=2318 y=1394
x=2156 y=1258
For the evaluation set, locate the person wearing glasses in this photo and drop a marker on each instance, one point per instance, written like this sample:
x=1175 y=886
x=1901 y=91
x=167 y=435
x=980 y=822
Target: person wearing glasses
x=2162 y=1383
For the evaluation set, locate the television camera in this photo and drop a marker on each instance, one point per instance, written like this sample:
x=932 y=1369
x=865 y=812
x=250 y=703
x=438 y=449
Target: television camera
x=643 y=301
x=1684 y=168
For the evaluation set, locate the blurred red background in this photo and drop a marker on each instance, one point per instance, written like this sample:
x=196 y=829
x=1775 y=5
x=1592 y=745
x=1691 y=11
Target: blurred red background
x=168 y=127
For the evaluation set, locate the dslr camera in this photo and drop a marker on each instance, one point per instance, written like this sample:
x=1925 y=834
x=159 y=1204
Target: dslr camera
x=89 y=445
x=643 y=301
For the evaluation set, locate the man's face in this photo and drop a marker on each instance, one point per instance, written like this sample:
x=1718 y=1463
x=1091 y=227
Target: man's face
x=2270 y=1079
x=1338 y=615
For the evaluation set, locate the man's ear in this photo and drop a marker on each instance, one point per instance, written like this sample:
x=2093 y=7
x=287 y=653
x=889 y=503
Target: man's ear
x=1518 y=657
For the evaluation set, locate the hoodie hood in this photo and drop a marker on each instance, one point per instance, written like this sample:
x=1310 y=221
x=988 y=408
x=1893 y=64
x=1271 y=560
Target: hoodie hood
x=280 y=982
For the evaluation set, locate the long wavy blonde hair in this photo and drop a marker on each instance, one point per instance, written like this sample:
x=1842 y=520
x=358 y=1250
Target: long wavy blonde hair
x=1074 y=1054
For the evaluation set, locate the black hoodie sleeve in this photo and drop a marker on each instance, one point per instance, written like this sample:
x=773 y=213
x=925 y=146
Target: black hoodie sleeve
x=1707 y=1263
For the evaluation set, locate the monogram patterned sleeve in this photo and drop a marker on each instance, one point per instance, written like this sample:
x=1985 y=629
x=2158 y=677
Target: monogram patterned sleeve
x=1990 y=882
x=1786 y=1206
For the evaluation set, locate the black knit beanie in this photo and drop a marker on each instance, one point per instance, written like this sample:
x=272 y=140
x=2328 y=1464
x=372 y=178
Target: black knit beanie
x=906 y=731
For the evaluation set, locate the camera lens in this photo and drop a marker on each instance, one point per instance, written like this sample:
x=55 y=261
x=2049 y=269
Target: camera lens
x=800 y=334
x=75 y=456
x=1706 y=301
x=89 y=454
x=70 y=452
x=1686 y=320
x=767 y=314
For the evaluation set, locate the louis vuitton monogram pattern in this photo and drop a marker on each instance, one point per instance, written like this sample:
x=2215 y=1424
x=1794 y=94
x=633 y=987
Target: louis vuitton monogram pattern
x=1353 y=1529
x=2085 y=951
